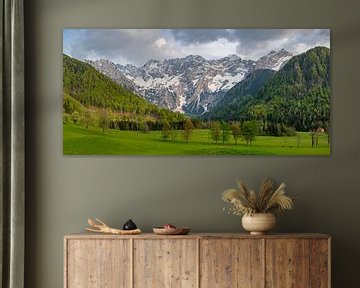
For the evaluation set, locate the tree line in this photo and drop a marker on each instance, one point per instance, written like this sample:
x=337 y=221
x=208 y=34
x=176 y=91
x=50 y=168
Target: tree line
x=220 y=131
x=296 y=98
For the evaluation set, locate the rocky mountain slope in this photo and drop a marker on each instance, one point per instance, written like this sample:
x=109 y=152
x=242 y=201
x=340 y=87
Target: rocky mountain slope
x=86 y=88
x=240 y=94
x=298 y=95
x=191 y=84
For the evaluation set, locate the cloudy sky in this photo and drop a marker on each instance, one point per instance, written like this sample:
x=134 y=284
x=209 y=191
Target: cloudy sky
x=136 y=46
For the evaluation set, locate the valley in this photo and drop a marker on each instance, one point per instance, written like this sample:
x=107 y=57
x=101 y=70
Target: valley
x=81 y=141
x=276 y=105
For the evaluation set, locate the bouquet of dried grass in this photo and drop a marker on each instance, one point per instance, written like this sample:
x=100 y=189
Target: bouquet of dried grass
x=245 y=201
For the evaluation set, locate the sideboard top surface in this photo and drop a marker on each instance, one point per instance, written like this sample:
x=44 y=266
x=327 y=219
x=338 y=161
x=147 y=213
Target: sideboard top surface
x=86 y=235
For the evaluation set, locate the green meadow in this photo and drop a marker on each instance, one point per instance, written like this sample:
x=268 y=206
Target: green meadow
x=93 y=141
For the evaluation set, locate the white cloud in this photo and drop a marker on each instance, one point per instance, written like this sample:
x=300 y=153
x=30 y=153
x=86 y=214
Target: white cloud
x=161 y=42
x=211 y=50
x=136 y=46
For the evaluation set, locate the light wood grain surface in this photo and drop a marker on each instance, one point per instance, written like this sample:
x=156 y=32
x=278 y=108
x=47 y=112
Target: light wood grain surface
x=88 y=235
x=98 y=263
x=228 y=263
x=165 y=263
x=287 y=263
x=205 y=260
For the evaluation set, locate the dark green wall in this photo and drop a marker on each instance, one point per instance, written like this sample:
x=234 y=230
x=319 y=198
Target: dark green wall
x=63 y=191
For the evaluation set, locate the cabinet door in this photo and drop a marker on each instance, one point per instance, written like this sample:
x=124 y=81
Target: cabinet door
x=320 y=263
x=231 y=263
x=287 y=263
x=98 y=263
x=165 y=263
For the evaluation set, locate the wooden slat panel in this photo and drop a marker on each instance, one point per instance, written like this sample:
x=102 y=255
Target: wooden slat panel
x=287 y=263
x=319 y=263
x=98 y=264
x=164 y=263
x=231 y=263
x=200 y=260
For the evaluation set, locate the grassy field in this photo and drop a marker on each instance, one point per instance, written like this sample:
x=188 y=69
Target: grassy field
x=80 y=141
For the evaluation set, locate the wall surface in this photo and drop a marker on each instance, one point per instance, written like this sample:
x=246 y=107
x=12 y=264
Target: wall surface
x=63 y=191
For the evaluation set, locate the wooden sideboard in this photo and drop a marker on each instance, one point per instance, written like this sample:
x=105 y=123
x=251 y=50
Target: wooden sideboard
x=197 y=260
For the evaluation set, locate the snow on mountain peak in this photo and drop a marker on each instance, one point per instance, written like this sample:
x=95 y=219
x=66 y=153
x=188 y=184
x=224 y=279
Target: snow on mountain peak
x=232 y=57
x=274 y=59
x=191 y=84
x=195 y=58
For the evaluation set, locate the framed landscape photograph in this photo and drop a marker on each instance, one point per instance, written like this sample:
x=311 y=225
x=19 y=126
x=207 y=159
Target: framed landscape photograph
x=196 y=92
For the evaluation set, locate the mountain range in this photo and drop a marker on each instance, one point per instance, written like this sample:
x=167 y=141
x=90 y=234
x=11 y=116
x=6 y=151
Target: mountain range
x=191 y=85
x=298 y=95
x=86 y=89
x=295 y=96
